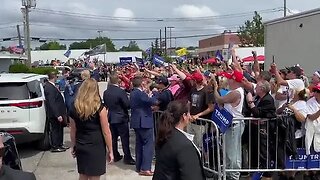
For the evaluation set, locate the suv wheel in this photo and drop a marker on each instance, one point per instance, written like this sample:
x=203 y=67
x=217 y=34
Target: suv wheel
x=44 y=143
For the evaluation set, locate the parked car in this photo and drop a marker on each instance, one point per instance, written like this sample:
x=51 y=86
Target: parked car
x=22 y=108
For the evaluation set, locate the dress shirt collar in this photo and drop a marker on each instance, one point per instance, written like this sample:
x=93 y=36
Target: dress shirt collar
x=189 y=136
x=52 y=83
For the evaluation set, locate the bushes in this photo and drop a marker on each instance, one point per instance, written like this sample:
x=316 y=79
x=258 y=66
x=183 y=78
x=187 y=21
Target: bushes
x=18 y=68
x=42 y=70
x=22 y=68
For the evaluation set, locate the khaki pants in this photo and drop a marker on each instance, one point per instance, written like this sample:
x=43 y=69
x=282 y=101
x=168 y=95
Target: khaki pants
x=198 y=132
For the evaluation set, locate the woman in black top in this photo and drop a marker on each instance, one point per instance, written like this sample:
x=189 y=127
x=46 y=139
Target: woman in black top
x=177 y=158
x=90 y=133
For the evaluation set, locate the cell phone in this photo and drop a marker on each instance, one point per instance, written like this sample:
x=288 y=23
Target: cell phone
x=272 y=59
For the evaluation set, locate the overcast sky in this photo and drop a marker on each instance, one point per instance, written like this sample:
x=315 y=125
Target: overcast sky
x=83 y=18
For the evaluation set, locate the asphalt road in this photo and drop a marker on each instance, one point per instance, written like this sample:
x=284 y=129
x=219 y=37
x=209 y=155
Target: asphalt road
x=52 y=166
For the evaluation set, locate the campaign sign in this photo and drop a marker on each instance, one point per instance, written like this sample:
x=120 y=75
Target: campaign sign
x=125 y=60
x=303 y=161
x=222 y=118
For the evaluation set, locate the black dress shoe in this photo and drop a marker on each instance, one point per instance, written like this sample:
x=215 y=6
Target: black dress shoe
x=116 y=159
x=130 y=162
x=56 y=150
x=64 y=147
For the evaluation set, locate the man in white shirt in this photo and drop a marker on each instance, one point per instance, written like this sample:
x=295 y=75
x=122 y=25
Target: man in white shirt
x=312 y=114
x=293 y=85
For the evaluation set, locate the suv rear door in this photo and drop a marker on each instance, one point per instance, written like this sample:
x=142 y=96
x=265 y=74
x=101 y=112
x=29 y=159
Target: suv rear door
x=16 y=101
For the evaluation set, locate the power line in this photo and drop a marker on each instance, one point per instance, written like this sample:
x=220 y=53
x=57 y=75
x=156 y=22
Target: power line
x=133 y=30
x=145 y=19
x=125 y=39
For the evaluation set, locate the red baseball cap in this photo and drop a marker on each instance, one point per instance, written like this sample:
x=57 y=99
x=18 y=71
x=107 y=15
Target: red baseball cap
x=196 y=76
x=236 y=75
x=316 y=87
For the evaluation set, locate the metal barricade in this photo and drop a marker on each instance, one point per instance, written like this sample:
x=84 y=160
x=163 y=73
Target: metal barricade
x=254 y=145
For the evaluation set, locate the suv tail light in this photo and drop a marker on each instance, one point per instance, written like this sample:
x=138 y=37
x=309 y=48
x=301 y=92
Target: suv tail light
x=28 y=105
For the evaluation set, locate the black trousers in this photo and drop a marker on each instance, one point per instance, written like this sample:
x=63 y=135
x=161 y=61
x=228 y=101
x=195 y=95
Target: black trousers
x=122 y=130
x=56 y=133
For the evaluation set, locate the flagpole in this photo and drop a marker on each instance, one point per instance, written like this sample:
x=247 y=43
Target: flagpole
x=105 y=52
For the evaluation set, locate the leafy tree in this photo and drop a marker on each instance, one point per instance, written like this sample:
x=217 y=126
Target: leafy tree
x=133 y=46
x=192 y=48
x=91 y=43
x=251 y=34
x=52 y=46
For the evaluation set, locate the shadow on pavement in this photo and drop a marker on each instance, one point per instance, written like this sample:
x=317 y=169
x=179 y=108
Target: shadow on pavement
x=27 y=150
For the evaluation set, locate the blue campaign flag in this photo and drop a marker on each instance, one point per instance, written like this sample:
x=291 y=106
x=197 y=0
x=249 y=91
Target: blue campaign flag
x=125 y=60
x=181 y=59
x=222 y=118
x=158 y=61
x=140 y=62
x=219 y=55
x=67 y=53
x=148 y=51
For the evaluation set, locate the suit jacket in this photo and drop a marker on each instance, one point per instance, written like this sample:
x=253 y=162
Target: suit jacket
x=178 y=159
x=6 y=173
x=264 y=108
x=118 y=104
x=141 y=113
x=55 y=105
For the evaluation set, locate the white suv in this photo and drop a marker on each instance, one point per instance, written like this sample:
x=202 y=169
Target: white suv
x=22 y=108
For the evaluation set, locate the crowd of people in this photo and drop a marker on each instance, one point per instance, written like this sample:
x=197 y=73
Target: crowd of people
x=184 y=93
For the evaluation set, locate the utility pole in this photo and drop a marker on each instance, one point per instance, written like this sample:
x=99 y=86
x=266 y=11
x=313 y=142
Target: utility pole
x=160 y=41
x=25 y=10
x=19 y=36
x=284 y=8
x=165 y=41
x=170 y=42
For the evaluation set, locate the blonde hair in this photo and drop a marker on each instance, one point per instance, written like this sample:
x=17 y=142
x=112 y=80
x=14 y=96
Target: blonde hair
x=88 y=100
x=85 y=74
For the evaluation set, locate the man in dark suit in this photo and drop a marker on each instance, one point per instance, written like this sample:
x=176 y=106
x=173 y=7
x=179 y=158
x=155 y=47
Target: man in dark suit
x=262 y=107
x=118 y=104
x=56 y=112
x=7 y=173
x=142 y=123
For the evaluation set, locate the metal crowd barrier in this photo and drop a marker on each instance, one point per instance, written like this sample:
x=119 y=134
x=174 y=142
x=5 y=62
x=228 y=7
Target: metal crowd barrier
x=263 y=147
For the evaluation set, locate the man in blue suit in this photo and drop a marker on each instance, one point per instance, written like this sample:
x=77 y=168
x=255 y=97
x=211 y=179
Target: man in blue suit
x=142 y=123
x=118 y=105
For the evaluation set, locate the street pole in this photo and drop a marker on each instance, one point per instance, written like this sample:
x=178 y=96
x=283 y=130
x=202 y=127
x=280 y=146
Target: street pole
x=165 y=41
x=19 y=36
x=170 y=38
x=27 y=5
x=284 y=8
x=160 y=45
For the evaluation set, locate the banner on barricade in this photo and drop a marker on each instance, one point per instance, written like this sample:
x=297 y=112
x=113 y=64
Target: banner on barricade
x=303 y=161
x=222 y=118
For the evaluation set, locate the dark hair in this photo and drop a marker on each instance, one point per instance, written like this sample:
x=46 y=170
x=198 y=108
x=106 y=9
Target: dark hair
x=265 y=75
x=136 y=82
x=168 y=120
x=114 y=78
x=52 y=75
x=303 y=95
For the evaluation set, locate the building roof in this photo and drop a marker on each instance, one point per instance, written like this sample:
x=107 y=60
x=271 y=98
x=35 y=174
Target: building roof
x=6 y=55
x=20 y=77
x=295 y=16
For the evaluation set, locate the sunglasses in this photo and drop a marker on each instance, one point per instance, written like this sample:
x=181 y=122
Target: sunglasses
x=316 y=91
